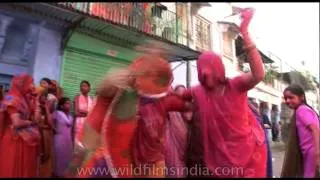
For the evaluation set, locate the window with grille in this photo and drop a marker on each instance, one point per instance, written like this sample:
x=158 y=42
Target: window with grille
x=18 y=44
x=202 y=33
x=227 y=45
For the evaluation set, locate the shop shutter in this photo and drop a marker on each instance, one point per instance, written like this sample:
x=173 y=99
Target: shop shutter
x=81 y=65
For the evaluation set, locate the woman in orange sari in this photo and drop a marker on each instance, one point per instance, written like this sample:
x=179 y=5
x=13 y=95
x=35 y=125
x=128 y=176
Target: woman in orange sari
x=20 y=140
x=107 y=135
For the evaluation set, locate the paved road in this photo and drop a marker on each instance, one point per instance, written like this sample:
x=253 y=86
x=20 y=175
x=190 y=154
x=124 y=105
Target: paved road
x=278 y=150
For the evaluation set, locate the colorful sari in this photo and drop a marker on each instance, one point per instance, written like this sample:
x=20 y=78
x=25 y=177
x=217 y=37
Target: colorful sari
x=195 y=146
x=176 y=141
x=105 y=140
x=148 y=146
x=107 y=137
x=46 y=165
x=63 y=144
x=230 y=135
x=299 y=158
x=256 y=113
x=19 y=146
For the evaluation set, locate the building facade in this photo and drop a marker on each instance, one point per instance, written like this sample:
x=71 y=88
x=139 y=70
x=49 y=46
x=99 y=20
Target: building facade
x=209 y=24
x=27 y=45
x=72 y=42
x=225 y=41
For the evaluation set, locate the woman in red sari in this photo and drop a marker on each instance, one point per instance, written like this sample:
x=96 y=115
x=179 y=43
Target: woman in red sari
x=20 y=138
x=232 y=142
x=110 y=127
x=148 y=148
x=176 y=140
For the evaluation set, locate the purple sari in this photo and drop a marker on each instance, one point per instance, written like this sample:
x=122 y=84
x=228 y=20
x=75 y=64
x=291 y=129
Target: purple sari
x=63 y=145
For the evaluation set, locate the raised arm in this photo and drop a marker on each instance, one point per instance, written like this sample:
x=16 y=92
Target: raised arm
x=248 y=80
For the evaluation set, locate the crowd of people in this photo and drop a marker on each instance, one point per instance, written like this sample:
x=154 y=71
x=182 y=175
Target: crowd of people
x=137 y=119
x=37 y=128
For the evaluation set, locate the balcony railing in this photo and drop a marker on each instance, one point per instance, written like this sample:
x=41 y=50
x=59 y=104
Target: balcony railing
x=150 y=18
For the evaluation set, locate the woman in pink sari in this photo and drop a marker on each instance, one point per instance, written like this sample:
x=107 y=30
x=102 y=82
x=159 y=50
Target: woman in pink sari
x=226 y=138
x=19 y=138
x=176 y=140
x=302 y=157
x=83 y=104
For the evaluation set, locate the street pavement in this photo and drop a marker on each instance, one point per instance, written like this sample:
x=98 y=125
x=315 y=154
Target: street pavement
x=278 y=150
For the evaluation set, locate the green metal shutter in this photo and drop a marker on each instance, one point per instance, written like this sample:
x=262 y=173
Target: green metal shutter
x=82 y=65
